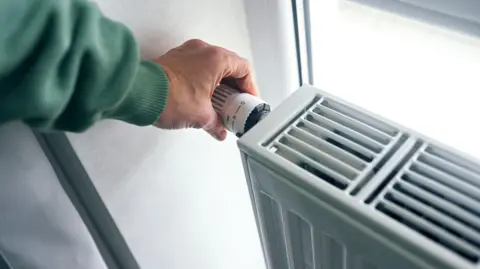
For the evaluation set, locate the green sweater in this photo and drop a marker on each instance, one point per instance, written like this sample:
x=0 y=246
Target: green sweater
x=64 y=66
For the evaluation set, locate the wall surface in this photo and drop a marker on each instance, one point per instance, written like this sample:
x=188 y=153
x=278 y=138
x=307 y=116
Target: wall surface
x=179 y=197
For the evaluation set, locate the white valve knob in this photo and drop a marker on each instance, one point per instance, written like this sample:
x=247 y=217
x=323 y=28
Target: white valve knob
x=239 y=111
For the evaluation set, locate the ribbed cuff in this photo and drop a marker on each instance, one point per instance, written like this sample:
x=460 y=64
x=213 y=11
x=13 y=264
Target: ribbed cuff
x=147 y=98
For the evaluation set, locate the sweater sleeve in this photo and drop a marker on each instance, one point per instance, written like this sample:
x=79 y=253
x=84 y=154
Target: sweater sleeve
x=64 y=66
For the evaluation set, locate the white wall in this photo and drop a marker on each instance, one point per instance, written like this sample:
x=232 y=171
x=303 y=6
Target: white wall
x=272 y=38
x=179 y=197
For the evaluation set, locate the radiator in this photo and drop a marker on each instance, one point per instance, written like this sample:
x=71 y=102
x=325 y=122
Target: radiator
x=334 y=186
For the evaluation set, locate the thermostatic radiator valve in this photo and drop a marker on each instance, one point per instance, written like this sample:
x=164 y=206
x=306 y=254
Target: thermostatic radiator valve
x=239 y=111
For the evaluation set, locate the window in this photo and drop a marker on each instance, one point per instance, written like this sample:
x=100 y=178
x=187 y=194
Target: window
x=415 y=62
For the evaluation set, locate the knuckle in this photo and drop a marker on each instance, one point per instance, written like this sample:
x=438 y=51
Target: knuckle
x=204 y=120
x=215 y=53
x=195 y=42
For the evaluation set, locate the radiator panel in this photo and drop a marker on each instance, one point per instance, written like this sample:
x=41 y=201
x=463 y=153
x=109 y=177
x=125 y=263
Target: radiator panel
x=335 y=186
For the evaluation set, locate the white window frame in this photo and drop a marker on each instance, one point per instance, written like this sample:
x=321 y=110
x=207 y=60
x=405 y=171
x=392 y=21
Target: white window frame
x=468 y=10
x=458 y=15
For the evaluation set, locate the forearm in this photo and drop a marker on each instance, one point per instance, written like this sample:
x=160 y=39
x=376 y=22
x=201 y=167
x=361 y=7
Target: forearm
x=64 y=66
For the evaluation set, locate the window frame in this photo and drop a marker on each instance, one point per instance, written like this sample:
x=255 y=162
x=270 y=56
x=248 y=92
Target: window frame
x=302 y=24
x=468 y=10
x=457 y=15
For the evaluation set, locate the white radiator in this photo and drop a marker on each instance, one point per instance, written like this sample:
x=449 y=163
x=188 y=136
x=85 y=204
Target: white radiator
x=336 y=187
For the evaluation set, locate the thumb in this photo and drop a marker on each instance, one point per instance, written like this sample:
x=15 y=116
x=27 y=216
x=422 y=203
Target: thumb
x=215 y=126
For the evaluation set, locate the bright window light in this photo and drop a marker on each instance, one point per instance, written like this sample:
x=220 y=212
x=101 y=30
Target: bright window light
x=419 y=75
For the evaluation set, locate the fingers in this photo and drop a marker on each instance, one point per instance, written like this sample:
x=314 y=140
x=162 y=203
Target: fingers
x=235 y=66
x=215 y=125
x=246 y=84
x=238 y=68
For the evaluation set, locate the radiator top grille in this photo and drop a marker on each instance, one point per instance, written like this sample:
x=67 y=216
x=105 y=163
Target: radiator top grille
x=438 y=195
x=336 y=144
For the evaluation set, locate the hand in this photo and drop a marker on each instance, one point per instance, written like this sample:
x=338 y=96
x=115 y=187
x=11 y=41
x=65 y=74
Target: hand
x=194 y=69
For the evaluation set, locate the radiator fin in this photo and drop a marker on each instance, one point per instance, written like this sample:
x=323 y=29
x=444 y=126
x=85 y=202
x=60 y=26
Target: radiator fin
x=438 y=195
x=334 y=253
x=301 y=240
x=274 y=232
x=337 y=144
